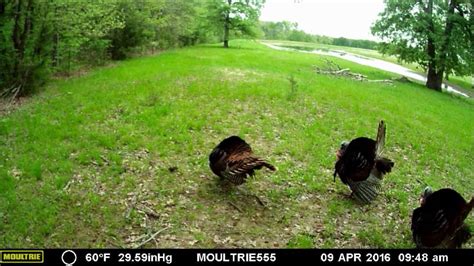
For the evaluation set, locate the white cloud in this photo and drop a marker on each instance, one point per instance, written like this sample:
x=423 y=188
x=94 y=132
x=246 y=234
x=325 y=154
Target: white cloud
x=335 y=18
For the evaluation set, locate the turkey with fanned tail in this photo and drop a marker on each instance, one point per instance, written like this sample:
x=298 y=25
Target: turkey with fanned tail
x=233 y=161
x=439 y=221
x=360 y=165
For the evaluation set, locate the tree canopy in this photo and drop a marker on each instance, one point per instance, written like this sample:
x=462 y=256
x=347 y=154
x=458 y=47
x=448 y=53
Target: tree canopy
x=238 y=17
x=42 y=37
x=436 y=34
x=38 y=38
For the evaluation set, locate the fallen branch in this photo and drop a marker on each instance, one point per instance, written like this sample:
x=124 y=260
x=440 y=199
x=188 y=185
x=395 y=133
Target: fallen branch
x=68 y=184
x=150 y=238
x=260 y=201
x=342 y=71
x=148 y=211
x=16 y=92
x=346 y=72
x=107 y=162
x=253 y=195
x=235 y=206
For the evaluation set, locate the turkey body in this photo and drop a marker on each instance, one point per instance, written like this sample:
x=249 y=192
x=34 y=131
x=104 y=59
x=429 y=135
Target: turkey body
x=361 y=167
x=233 y=161
x=439 y=222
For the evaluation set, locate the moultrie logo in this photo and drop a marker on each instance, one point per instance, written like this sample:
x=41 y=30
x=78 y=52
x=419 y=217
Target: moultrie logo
x=21 y=256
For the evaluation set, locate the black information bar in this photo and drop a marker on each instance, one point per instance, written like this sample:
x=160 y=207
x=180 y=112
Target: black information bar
x=296 y=257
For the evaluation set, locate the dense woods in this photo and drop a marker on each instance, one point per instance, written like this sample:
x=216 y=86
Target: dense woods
x=39 y=38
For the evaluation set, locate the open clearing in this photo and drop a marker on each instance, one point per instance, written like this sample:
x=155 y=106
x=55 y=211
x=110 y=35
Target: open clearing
x=86 y=163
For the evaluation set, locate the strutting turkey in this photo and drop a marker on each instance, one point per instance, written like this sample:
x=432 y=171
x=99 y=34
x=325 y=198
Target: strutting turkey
x=439 y=221
x=360 y=165
x=233 y=161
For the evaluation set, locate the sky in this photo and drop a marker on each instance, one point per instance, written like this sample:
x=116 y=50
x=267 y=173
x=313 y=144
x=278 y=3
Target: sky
x=334 y=18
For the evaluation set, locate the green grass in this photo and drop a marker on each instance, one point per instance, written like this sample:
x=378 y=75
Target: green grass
x=355 y=50
x=85 y=163
x=465 y=82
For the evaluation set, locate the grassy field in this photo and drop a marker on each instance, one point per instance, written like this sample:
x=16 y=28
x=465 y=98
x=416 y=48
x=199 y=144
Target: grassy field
x=86 y=163
x=464 y=82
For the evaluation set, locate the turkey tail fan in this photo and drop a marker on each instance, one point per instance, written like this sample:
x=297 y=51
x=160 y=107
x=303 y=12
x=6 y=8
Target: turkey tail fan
x=238 y=173
x=384 y=165
x=254 y=163
x=462 y=236
x=365 y=191
x=380 y=141
x=469 y=207
x=236 y=179
x=269 y=166
x=471 y=204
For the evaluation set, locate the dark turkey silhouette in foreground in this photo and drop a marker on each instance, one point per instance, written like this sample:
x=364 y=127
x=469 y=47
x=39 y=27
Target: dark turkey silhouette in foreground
x=233 y=161
x=439 y=221
x=360 y=165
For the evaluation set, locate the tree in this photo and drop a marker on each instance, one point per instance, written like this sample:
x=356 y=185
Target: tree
x=278 y=30
x=436 y=34
x=81 y=30
x=171 y=32
x=239 y=16
x=285 y=30
x=23 y=53
x=366 y=44
x=137 y=24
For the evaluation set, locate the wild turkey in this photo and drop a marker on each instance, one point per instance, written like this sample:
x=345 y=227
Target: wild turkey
x=233 y=161
x=360 y=165
x=439 y=222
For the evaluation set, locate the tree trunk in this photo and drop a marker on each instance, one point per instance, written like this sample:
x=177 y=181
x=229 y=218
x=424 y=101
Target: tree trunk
x=16 y=37
x=55 y=49
x=2 y=7
x=54 y=53
x=447 y=38
x=435 y=78
x=227 y=25
x=436 y=68
x=226 y=35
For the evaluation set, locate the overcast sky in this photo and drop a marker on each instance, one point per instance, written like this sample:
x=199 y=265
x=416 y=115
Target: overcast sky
x=334 y=18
